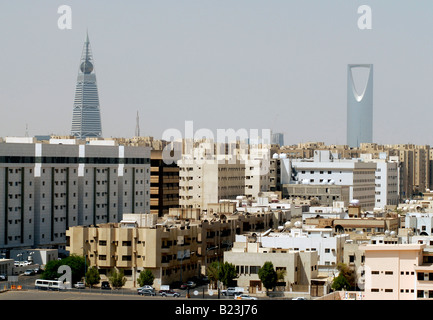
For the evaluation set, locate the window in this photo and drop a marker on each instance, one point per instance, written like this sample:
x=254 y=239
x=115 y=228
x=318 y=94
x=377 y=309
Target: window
x=388 y=272
x=420 y=276
x=374 y=290
x=374 y=272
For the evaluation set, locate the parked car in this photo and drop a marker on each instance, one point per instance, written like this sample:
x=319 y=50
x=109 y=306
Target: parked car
x=244 y=297
x=105 y=285
x=29 y=272
x=191 y=284
x=38 y=270
x=184 y=286
x=299 y=298
x=3 y=277
x=147 y=292
x=169 y=293
x=147 y=287
x=232 y=291
x=80 y=285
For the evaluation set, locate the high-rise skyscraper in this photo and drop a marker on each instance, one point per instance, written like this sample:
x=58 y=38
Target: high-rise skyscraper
x=86 y=118
x=359 y=108
x=277 y=138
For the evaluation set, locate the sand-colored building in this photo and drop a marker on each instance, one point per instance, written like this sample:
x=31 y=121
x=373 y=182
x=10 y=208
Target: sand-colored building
x=397 y=272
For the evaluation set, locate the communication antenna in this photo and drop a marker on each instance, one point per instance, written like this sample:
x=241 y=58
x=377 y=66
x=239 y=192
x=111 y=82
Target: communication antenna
x=137 y=126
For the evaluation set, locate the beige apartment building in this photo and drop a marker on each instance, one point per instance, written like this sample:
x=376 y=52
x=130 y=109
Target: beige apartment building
x=174 y=248
x=397 y=272
x=209 y=180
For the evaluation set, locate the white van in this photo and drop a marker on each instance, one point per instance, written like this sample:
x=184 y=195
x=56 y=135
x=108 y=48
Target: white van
x=49 y=285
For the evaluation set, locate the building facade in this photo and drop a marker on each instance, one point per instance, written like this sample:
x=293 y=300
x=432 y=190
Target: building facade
x=50 y=187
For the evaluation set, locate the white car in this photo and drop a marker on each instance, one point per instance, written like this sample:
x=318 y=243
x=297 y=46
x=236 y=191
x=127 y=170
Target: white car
x=145 y=287
x=80 y=285
x=244 y=297
x=299 y=298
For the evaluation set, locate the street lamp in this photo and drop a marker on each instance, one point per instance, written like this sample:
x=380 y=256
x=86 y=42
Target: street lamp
x=205 y=257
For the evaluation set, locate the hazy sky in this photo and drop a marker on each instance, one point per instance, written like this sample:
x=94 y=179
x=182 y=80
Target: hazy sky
x=254 y=64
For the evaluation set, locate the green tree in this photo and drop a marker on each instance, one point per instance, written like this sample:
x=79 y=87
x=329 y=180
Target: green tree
x=212 y=272
x=348 y=273
x=92 y=276
x=117 y=279
x=268 y=275
x=227 y=272
x=146 y=277
x=75 y=262
x=340 y=283
x=50 y=270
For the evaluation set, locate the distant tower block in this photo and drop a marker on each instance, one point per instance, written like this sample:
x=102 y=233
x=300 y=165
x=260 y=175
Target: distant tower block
x=359 y=108
x=86 y=118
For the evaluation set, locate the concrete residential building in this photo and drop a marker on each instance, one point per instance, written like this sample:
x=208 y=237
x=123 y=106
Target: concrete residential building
x=138 y=243
x=324 y=169
x=359 y=108
x=209 y=181
x=386 y=181
x=49 y=187
x=164 y=184
x=328 y=247
x=397 y=272
x=144 y=241
x=248 y=257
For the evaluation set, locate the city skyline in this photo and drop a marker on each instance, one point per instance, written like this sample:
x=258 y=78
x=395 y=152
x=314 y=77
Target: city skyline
x=279 y=65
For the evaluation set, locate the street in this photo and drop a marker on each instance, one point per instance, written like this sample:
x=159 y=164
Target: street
x=24 y=289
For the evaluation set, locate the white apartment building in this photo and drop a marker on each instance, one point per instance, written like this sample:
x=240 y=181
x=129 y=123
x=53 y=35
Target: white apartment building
x=324 y=169
x=48 y=187
x=386 y=181
x=321 y=240
x=421 y=223
x=257 y=176
x=208 y=181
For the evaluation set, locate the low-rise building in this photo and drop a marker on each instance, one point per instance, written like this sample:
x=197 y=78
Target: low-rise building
x=299 y=268
x=397 y=272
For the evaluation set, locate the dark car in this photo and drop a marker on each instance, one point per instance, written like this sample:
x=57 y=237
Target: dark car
x=169 y=293
x=146 y=292
x=183 y=286
x=105 y=285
